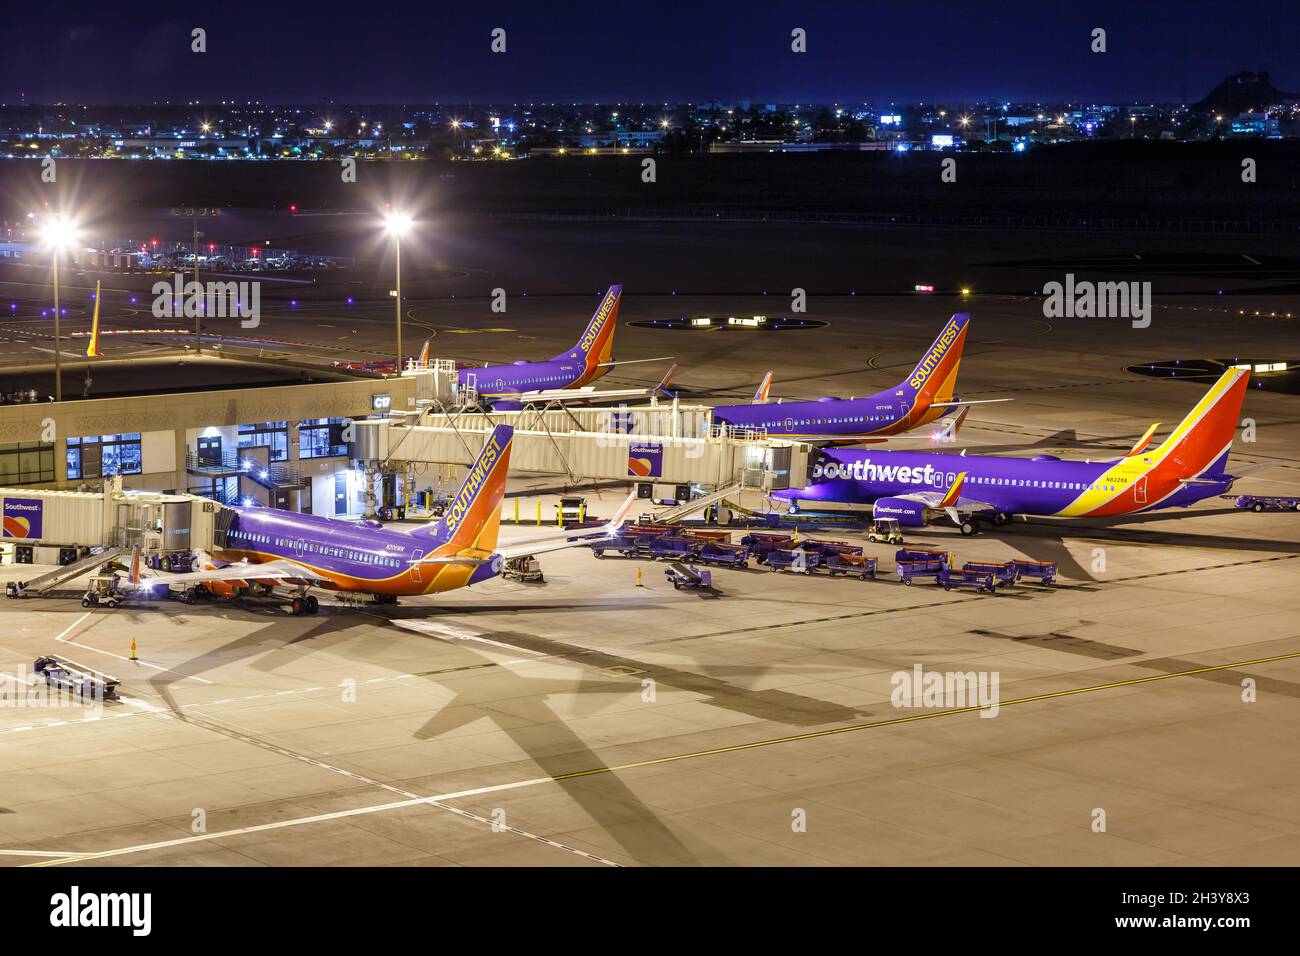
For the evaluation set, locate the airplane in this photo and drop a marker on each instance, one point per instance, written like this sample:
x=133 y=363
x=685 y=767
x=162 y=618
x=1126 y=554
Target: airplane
x=926 y=395
x=386 y=366
x=563 y=378
x=918 y=488
x=267 y=548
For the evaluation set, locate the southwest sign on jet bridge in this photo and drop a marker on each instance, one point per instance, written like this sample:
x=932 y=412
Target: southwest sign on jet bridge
x=916 y=487
x=923 y=397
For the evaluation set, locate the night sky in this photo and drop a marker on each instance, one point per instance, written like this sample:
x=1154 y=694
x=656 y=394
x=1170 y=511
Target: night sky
x=647 y=51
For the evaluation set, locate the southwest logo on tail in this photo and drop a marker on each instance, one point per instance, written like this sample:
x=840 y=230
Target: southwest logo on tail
x=926 y=395
x=472 y=520
x=597 y=343
x=935 y=376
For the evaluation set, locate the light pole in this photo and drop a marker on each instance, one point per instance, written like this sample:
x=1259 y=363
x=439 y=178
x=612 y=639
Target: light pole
x=58 y=235
x=397 y=224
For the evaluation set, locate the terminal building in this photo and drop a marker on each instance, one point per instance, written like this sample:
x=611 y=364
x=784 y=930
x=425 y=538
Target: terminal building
x=158 y=471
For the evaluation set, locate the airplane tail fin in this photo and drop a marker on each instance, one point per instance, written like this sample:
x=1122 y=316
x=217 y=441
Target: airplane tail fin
x=1201 y=442
x=596 y=347
x=473 y=519
x=423 y=360
x=935 y=377
x=764 y=387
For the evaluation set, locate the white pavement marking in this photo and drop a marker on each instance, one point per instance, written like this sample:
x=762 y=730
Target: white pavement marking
x=446 y=631
x=33 y=853
x=437 y=800
x=63 y=639
x=72 y=626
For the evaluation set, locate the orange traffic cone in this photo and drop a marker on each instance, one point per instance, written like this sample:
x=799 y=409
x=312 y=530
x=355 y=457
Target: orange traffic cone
x=133 y=657
x=638 y=578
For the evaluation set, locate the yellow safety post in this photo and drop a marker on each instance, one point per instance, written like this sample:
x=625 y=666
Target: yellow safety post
x=133 y=657
x=539 y=512
x=582 y=512
x=516 y=511
x=638 y=578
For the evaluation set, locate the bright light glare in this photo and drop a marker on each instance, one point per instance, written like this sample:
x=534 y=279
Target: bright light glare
x=398 y=223
x=59 y=233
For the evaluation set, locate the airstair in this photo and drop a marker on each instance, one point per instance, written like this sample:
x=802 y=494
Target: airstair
x=52 y=579
x=687 y=508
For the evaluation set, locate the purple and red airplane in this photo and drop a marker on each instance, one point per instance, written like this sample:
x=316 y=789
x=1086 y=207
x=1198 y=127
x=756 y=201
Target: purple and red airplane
x=266 y=547
x=917 y=488
x=926 y=395
x=564 y=377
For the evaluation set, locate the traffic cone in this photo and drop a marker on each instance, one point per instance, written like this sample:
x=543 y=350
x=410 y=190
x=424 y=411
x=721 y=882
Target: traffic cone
x=638 y=578
x=133 y=657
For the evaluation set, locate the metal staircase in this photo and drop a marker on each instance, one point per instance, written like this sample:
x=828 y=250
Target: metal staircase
x=52 y=579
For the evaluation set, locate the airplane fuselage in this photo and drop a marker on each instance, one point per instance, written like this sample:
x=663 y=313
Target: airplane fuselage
x=886 y=413
x=502 y=381
x=352 y=556
x=1043 y=486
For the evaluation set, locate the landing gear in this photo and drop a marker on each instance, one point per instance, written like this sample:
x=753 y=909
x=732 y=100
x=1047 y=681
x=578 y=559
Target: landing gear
x=1001 y=519
x=969 y=527
x=304 y=604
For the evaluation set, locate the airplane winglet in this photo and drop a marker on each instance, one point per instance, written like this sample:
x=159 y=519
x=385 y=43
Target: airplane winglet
x=765 y=386
x=953 y=493
x=662 y=387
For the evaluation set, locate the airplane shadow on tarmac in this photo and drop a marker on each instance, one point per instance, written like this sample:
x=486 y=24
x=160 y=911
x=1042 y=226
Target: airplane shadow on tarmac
x=608 y=801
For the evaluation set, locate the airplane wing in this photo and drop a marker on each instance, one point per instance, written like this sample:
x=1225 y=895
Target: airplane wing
x=830 y=441
x=588 y=395
x=978 y=401
x=568 y=539
x=662 y=358
x=951 y=501
x=279 y=570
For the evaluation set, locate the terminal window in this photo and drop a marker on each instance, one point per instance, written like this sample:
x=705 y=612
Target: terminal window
x=26 y=461
x=99 y=456
x=272 y=435
x=322 y=438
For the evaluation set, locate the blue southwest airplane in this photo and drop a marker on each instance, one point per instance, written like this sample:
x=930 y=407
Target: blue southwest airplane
x=927 y=394
x=919 y=487
x=564 y=377
x=266 y=547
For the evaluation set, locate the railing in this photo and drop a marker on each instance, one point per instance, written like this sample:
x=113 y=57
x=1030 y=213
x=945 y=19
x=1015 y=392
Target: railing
x=232 y=464
x=219 y=495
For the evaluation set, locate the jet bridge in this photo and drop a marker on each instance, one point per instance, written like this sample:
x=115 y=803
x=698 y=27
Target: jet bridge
x=60 y=527
x=658 y=443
